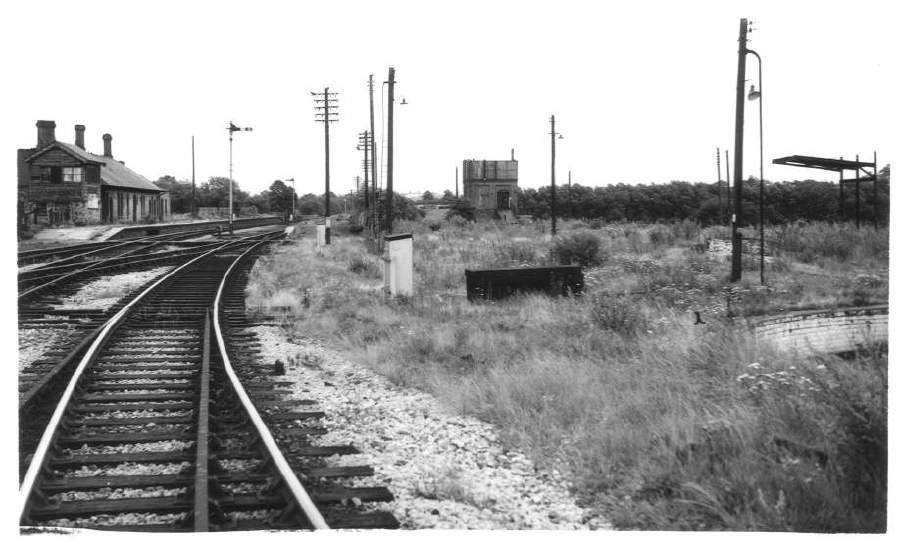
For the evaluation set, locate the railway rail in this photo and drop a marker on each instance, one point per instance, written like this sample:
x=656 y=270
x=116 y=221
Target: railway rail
x=170 y=422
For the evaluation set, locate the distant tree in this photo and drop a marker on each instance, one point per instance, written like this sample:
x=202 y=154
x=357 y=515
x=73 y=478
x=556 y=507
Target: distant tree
x=427 y=196
x=310 y=204
x=179 y=193
x=448 y=195
x=280 y=197
x=261 y=201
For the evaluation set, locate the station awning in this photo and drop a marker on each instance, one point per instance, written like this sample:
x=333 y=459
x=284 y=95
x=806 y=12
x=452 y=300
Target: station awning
x=831 y=164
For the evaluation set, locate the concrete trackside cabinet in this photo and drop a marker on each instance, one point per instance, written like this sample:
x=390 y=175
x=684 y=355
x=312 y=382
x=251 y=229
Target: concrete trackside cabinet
x=398 y=264
x=323 y=233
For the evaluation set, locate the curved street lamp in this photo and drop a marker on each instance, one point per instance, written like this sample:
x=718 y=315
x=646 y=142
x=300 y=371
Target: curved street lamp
x=752 y=96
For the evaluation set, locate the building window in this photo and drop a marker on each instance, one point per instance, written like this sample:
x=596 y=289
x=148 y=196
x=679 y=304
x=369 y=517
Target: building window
x=40 y=174
x=73 y=175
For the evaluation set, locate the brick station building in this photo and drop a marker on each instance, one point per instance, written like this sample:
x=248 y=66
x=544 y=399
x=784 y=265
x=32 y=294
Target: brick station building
x=62 y=183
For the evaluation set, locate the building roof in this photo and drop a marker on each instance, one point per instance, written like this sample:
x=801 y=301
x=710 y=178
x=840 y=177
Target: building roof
x=113 y=172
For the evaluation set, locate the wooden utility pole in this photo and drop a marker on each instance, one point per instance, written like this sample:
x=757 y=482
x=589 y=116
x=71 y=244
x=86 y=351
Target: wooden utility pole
x=193 y=182
x=374 y=155
x=728 y=207
x=364 y=138
x=552 y=174
x=841 y=194
x=857 y=191
x=737 y=218
x=719 y=180
x=389 y=197
x=457 y=182
x=326 y=112
x=569 y=199
x=875 y=189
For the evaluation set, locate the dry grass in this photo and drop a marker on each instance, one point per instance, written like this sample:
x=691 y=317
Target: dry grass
x=660 y=423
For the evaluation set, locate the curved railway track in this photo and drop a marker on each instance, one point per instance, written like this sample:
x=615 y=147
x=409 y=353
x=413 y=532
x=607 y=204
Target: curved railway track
x=59 y=274
x=170 y=422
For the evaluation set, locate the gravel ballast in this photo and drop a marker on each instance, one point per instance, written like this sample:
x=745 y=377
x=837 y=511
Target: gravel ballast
x=445 y=470
x=107 y=290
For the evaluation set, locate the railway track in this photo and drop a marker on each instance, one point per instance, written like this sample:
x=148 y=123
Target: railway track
x=170 y=422
x=61 y=273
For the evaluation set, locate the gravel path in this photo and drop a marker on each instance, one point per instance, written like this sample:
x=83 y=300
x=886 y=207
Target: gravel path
x=106 y=291
x=445 y=470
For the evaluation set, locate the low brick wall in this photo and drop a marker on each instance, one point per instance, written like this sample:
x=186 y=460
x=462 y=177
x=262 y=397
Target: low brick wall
x=825 y=331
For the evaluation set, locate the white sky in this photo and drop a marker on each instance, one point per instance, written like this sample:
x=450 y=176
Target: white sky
x=642 y=91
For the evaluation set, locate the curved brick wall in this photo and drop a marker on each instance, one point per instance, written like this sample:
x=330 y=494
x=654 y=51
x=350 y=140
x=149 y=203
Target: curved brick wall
x=825 y=331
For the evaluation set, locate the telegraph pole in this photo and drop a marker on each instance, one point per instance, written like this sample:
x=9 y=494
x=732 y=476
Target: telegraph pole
x=857 y=191
x=326 y=111
x=719 y=180
x=552 y=174
x=728 y=207
x=389 y=198
x=875 y=189
x=374 y=155
x=737 y=218
x=193 y=182
x=365 y=142
x=457 y=182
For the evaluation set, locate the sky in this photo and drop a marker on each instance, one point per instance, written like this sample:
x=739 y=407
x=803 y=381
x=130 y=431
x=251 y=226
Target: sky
x=642 y=92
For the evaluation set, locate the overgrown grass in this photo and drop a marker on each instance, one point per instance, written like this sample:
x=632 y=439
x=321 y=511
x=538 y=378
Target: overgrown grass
x=661 y=424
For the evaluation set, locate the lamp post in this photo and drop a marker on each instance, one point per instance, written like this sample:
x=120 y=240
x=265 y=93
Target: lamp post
x=752 y=96
x=293 y=198
x=231 y=129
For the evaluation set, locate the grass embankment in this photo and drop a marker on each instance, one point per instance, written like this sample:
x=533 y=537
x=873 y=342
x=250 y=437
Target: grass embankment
x=661 y=424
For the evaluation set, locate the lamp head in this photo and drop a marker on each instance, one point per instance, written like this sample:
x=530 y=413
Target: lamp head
x=754 y=93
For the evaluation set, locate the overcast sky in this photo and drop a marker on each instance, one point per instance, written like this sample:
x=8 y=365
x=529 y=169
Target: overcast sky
x=642 y=91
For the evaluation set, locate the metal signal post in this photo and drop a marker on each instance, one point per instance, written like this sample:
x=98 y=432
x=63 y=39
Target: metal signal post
x=231 y=129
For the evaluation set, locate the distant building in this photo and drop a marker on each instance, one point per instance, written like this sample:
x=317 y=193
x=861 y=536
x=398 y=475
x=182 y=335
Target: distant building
x=491 y=184
x=62 y=183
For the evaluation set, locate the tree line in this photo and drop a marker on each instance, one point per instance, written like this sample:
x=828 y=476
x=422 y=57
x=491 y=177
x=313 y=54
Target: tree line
x=707 y=203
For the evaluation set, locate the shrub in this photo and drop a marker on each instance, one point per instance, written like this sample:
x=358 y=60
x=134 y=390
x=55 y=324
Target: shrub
x=364 y=266
x=434 y=225
x=355 y=229
x=457 y=220
x=619 y=315
x=581 y=248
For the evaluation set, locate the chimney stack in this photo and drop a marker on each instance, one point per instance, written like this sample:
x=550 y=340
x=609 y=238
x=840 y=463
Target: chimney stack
x=79 y=136
x=513 y=153
x=46 y=132
x=107 y=145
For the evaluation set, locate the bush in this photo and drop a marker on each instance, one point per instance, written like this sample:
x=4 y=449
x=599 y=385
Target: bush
x=619 y=315
x=463 y=209
x=581 y=248
x=434 y=225
x=364 y=266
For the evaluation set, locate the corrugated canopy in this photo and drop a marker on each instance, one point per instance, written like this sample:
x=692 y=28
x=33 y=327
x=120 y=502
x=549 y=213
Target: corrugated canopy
x=831 y=164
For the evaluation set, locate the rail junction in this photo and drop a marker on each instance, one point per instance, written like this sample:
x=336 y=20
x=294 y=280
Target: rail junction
x=163 y=416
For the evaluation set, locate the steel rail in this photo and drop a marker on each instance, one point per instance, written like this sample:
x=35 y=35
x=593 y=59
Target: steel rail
x=40 y=453
x=299 y=493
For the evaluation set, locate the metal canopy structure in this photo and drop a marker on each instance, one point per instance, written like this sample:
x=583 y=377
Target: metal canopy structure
x=830 y=164
x=840 y=165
